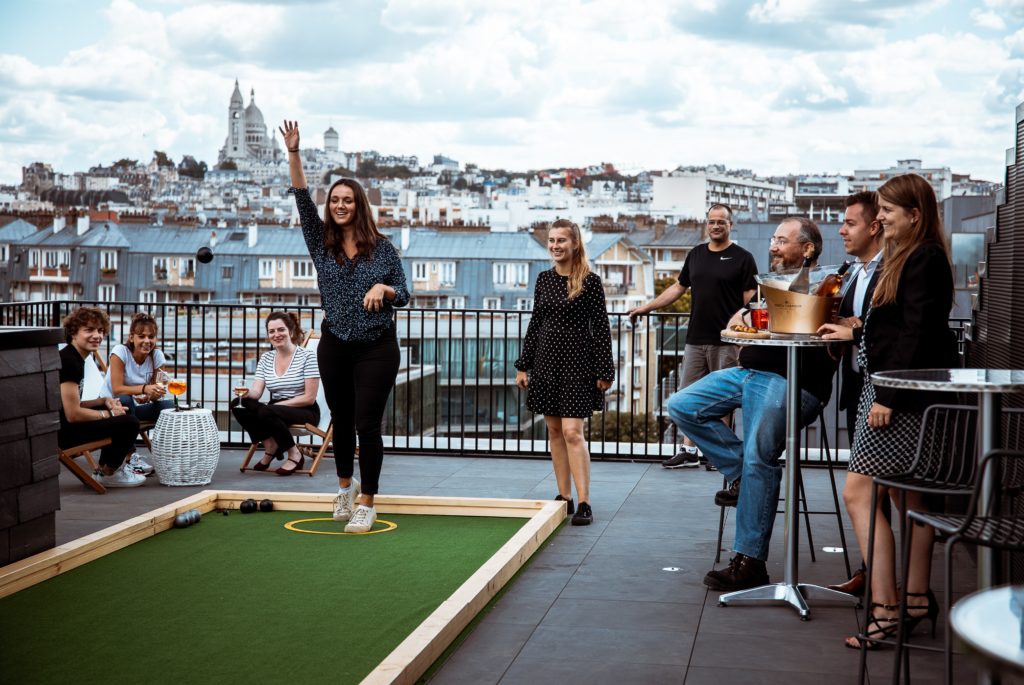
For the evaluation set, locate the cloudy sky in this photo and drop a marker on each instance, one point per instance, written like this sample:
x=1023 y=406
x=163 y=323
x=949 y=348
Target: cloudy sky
x=777 y=86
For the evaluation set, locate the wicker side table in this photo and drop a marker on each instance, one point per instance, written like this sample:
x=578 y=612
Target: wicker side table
x=186 y=447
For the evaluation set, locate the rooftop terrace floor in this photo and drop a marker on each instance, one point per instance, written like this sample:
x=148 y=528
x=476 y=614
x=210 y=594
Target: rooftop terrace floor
x=620 y=601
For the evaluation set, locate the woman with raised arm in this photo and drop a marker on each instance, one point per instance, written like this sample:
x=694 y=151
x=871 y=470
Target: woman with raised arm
x=906 y=327
x=289 y=372
x=566 y=362
x=361 y=281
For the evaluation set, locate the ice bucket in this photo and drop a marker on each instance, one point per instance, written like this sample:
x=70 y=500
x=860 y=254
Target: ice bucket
x=795 y=312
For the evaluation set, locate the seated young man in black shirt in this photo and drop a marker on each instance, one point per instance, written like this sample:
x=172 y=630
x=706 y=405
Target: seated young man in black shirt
x=104 y=417
x=758 y=387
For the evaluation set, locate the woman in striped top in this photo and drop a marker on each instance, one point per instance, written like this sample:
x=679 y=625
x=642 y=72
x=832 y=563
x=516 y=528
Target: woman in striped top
x=291 y=375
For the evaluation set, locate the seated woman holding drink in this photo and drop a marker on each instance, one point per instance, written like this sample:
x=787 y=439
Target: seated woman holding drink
x=291 y=375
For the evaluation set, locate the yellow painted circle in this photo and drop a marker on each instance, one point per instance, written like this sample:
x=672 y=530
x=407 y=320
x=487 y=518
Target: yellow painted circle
x=293 y=526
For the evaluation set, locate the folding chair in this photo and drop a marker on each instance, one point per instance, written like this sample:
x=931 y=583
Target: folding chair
x=67 y=457
x=313 y=449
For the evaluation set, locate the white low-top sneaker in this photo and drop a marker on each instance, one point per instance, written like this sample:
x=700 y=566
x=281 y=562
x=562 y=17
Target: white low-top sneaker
x=362 y=519
x=345 y=500
x=122 y=477
x=140 y=465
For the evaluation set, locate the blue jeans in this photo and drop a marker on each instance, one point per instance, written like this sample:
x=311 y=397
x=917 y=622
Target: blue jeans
x=149 y=411
x=698 y=410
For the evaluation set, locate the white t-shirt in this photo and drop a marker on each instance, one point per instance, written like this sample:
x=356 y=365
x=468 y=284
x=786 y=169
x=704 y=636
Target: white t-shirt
x=292 y=382
x=134 y=373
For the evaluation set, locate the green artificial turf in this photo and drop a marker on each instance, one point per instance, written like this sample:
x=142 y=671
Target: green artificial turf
x=241 y=599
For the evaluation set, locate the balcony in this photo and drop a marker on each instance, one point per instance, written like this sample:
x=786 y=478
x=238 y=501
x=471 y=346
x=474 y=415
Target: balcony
x=640 y=559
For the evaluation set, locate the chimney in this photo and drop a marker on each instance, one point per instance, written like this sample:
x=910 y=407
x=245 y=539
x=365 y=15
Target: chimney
x=253 y=234
x=213 y=239
x=659 y=230
x=58 y=223
x=83 y=224
x=405 y=236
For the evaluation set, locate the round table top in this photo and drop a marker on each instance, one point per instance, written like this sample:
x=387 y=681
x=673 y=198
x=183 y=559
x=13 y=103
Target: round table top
x=780 y=340
x=990 y=621
x=953 y=380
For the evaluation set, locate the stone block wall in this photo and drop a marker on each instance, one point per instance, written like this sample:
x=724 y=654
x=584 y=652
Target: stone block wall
x=29 y=419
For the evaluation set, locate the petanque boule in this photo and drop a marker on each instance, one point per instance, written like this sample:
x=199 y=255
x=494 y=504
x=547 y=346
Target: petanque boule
x=247 y=506
x=204 y=255
x=266 y=505
x=182 y=521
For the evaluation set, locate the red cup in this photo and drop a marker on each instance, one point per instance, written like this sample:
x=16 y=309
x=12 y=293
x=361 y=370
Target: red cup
x=759 y=317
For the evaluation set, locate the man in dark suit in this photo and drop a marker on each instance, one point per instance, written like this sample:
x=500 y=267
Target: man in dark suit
x=862 y=238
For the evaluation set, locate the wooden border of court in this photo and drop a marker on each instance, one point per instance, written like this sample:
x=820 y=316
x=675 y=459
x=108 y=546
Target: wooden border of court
x=422 y=647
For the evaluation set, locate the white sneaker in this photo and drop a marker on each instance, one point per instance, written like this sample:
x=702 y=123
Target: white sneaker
x=362 y=520
x=140 y=465
x=345 y=500
x=123 y=477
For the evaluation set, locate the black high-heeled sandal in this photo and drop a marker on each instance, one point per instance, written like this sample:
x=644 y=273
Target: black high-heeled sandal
x=282 y=471
x=931 y=611
x=877 y=628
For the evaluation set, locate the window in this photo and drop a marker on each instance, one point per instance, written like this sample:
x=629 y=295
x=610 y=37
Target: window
x=108 y=260
x=524 y=304
x=302 y=268
x=4 y=252
x=448 y=273
x=187 y=267
x=147 y=296
x=492 y=303
x=107 y=293
x=266 y=268
x=33 y=258
x=160 y=268
x=55 y=258
x=457 y=302
x=419 y=271
x=227 y=272
x=512 y=274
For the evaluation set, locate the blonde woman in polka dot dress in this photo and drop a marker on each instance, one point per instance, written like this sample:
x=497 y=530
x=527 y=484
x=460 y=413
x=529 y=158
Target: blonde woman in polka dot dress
x=566 y=362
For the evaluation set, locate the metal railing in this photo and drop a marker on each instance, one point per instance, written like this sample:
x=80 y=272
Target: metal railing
x=455 y=392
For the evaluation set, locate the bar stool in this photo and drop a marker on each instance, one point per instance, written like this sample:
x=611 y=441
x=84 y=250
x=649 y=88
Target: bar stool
x=997 y=528
x=823 y=444
x=943 y=464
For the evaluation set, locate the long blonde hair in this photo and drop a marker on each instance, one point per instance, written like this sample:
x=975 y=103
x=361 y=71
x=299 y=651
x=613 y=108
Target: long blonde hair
x=908 y=191
x=580 y=266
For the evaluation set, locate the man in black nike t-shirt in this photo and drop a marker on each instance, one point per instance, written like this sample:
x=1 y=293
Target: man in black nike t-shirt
x=720 y=276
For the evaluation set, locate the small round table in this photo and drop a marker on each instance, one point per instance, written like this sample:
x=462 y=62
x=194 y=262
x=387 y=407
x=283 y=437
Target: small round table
x=790 y=591
x=991 y=622
x=990 y=384
x=186 y=447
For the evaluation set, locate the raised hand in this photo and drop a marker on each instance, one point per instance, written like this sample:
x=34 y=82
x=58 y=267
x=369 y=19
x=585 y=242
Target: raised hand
x=290 y=133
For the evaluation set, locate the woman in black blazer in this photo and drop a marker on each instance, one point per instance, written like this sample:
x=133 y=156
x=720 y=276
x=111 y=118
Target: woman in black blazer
x=907 y=327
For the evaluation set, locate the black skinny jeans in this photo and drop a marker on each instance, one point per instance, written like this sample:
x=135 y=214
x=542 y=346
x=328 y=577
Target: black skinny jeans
x=262 y=421
x=358 y=378
x=122 y=431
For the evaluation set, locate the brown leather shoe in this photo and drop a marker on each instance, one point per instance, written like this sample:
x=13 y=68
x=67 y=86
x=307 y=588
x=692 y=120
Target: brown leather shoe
x=742 y=572
x=298 y=465
x=854 y=586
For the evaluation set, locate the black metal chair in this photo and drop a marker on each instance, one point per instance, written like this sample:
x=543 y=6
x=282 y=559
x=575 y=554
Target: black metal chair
x=944 y=466
x=997 y=527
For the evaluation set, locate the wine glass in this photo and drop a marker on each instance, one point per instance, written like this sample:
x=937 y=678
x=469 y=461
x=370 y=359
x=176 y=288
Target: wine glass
x=177 y=386
x=241 y=388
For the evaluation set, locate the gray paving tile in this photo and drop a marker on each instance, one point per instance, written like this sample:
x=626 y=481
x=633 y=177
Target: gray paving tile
x=624 y=578
x=603 y=613
x=610 y=645
x=520 y=608
x=757 y=676
x=794 y=647
x=592 y=672
x=485 y=655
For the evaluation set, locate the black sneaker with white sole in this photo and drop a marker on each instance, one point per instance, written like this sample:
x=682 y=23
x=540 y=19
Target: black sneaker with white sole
x=684 y=459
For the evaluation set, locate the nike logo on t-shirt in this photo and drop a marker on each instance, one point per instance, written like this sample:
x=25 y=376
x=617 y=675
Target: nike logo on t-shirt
x=725 y=258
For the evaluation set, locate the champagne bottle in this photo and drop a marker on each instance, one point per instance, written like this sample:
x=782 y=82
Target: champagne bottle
x=801 y=283
x=833 y=282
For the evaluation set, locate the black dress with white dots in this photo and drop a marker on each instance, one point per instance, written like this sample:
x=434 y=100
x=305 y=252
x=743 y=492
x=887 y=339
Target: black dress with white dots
x=568 y=348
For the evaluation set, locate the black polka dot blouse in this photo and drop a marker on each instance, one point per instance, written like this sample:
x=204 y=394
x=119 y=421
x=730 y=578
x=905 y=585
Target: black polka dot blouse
x=568 y=348
x=343 y=286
